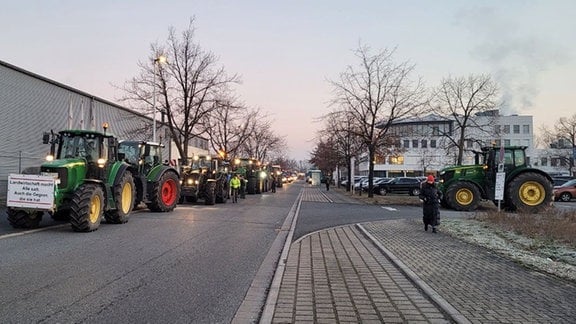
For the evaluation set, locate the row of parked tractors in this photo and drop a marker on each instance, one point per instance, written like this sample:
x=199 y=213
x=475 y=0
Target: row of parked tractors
x=207 y=177
x=99 y=177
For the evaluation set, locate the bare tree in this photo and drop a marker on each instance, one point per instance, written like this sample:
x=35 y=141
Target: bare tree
x=561 y=141
x=229 y=126
x=262 y=142
x=188 y=85
x=338 y=131
x=376 y=93
x=469 y=102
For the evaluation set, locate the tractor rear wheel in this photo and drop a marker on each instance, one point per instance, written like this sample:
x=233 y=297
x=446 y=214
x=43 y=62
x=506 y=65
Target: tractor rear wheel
x=164 y=194
x=124 y=195
x=463 y=196
x=86 y=208
x=529 y=192
x=24 y=219
x=221 y=190
x=210 y=195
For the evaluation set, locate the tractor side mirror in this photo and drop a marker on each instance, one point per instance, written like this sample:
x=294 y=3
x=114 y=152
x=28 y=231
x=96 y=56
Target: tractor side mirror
x=46 y=138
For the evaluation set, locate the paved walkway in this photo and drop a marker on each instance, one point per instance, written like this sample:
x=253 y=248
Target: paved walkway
x=394 y=272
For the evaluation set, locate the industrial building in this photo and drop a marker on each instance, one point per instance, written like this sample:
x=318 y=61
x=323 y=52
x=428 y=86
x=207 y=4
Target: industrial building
x=31 y=104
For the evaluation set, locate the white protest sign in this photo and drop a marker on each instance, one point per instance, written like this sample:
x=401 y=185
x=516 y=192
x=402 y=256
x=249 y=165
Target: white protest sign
x=499 y=189
x=30 y=191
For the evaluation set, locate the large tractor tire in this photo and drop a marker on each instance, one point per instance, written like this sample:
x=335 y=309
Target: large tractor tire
x=221 y=191
x=251 y=186
x=164 y=194
x=463 y=196
x=87 y=208
x=210 y=195
x=124 y=195
x=529 y=192
x=24 y=219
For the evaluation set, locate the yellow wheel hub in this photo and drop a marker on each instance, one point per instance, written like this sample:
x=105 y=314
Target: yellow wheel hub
x=95 y=208
x=532 y=193
x=126 y=198
x=464 y=196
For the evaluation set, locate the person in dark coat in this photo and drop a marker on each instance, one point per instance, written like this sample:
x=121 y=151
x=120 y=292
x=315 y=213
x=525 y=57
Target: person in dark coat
x=430 y=195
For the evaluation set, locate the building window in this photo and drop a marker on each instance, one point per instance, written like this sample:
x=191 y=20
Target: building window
x=506 y=129
x=469 y=144
x=414 y=143
x=544 y=161
x=506 y=142
x=497 y=129
x=554 y=162
x=497 y=143
x=516 y=129
x=526 y=129
x=435 y=131
x=433 y=143
x=424 y=143
x=406 y=143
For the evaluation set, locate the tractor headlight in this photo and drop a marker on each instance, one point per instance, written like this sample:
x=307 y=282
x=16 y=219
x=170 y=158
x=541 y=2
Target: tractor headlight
x=263 y=175
x=196 y=182
x=49 y=157
x=190 y=181
x=101 y=162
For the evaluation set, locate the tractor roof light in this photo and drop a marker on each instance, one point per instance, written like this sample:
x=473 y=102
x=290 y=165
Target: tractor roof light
x=208 y=158
x=195 y=157
x=49 y=157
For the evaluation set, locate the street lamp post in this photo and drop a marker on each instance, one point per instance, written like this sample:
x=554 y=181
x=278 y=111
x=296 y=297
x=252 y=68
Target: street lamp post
x=158 y=60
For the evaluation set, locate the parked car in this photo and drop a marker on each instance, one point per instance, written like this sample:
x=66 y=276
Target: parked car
x=377 y=182
x=566 y=191
x=409 y=185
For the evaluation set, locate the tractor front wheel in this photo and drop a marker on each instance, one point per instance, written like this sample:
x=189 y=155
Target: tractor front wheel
x=463 y=196
x=529 y=192
x=86 y=208
x=24 y=219
x=124 y=195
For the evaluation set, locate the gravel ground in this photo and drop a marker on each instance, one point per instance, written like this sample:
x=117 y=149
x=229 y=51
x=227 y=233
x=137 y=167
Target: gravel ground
x=549 y=257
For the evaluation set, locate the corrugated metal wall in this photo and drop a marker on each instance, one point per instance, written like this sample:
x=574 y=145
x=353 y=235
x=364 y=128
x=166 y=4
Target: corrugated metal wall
x=31 y=105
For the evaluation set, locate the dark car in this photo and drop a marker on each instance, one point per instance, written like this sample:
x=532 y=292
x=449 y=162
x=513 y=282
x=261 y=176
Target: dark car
x=409 y=185
x=566 y=191
x=560 y=180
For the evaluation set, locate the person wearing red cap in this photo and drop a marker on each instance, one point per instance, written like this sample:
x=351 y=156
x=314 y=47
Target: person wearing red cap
x=430 y=195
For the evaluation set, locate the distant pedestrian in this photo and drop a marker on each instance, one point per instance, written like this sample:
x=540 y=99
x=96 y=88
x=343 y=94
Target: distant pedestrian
x=235 y=186
x=327 y=180
x=273 y=183
x=430 y=195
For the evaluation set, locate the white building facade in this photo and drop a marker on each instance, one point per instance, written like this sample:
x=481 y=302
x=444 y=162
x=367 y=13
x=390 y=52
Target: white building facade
x=422 y=145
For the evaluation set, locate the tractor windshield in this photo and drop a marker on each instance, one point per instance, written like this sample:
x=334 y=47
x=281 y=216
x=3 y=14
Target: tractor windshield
x=86 y=146
x=201 y=163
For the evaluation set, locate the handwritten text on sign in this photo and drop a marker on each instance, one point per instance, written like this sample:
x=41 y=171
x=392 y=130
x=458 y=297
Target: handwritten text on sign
x=30 y=191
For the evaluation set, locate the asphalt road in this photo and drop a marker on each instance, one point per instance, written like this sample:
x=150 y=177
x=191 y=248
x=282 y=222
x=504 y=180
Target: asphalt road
x=193 y=265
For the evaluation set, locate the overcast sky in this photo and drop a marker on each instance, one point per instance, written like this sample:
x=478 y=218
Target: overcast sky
x=285 y=51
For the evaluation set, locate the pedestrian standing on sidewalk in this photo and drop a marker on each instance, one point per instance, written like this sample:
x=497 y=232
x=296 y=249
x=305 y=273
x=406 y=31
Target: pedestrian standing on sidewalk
x=327 y=180
x=430 y=196
x=235 y=186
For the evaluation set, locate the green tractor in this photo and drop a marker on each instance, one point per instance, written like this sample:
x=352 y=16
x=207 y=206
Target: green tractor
x=157 y=184
x=206 y=177
x=251 y=171
x=91 y=182
x=524 y=188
